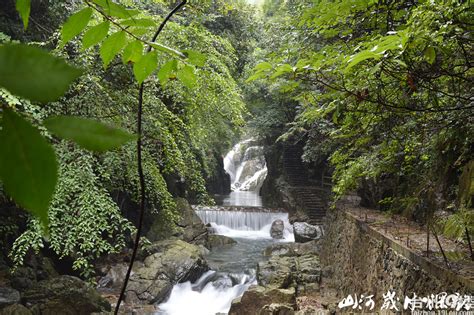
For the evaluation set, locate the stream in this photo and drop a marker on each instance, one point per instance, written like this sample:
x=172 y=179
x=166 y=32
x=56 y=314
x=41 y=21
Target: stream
x=233 y=267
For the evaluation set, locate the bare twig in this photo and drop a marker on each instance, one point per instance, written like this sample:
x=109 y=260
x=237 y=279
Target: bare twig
x=140 y=164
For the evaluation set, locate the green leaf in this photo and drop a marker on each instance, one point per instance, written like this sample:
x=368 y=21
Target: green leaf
x=195 y=58
x=257 y=75
x=132 y=52
x=263 y=66
x=430 y=55
x=23 y=7
x=167 y=70
x=117 y=10
x=95 y=34
x=167 y=50
x=33 y=73
x=28 y=167
x=145 y=66
x=89 y=134
x=282 y=69
x=112 y=46
x=75 y=24
x=138 y=22
x=186 y=76
x=358 y=58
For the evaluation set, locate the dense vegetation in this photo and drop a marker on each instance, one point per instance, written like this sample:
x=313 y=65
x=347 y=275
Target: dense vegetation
x=381 y=89
x=192 y=112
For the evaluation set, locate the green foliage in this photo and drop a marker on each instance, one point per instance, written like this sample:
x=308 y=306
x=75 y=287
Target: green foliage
x=95 y=34
x=23 y=7
x=193 y=109
x=89 y=134
x=33 y=73
x=145 y=66
x=186 y=75
x=75 y=24
x=27 y=165
x=112 y=46
x=382 y=91
x=85 y=222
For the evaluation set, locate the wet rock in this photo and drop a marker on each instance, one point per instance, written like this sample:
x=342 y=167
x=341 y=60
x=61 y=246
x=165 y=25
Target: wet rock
x=192 y=229
x=276 y=272
x=293 y=249
x=15 y=309
x=305 y=232
x=303 y=272
x=249 y=169
x=277 y=309
x=23 y=278
x=8 y=296
x=36 y=268
x=256 y=298
x=308 y=273
x=279 y=249
x=220 y=181
x=216 y=241
x=172 y=262
x=64 y=295
x=277 y=228
x=115 y=276
x=254 y=152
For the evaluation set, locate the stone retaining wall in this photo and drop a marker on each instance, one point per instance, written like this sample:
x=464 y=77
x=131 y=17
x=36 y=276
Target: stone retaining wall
x=360 y=260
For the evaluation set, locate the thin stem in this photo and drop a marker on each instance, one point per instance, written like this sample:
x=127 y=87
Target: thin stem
x=440 y=247
x=140 y=165
x=468 y=239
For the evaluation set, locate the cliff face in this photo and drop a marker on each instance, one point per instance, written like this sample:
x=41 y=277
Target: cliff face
x=273 y=188
x=219 y=182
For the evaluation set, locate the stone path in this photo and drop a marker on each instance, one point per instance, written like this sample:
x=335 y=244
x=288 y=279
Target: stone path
x=311 y=195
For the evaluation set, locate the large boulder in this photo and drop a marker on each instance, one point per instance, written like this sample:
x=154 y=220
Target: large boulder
x=173 y=261
x=277 y=228
x=65 y=295
x=276 y=272
x=15 y=309
x=283 y=272
x=305 y=232
x=216 y=241
x=191 y=228
x=256 y=299
x=115 y=276
x=8 y=296
x=293 y=249
x=277 y=309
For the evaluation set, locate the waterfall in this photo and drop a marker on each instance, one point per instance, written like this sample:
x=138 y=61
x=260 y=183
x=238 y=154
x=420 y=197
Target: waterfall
x=241 y=217
x=240 y=220
x=246 y=165
x=245 y=224
x=233 y=268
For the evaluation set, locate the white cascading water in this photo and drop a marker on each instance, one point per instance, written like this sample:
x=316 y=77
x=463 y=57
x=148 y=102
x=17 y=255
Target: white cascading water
x=233 y=266
x=245 y=224
x=246 y=166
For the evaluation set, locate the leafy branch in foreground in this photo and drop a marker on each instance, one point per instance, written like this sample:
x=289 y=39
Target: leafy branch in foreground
x=28 y=164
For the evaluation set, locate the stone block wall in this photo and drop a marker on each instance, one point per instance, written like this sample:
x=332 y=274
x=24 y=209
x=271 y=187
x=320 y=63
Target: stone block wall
x=359 y=260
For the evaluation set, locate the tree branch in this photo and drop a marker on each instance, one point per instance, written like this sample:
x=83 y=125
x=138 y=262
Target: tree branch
x=140 y=164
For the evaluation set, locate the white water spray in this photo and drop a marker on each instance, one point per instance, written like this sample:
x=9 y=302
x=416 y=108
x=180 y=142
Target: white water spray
x=246 y=165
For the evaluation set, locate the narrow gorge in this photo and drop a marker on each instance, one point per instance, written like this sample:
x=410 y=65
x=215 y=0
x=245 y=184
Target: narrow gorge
x=236 y=157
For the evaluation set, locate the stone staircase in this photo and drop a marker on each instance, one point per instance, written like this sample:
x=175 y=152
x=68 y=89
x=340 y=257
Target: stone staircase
x=311 y=194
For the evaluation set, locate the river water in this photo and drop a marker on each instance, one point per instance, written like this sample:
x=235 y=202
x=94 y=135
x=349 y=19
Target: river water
x=233 y=267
